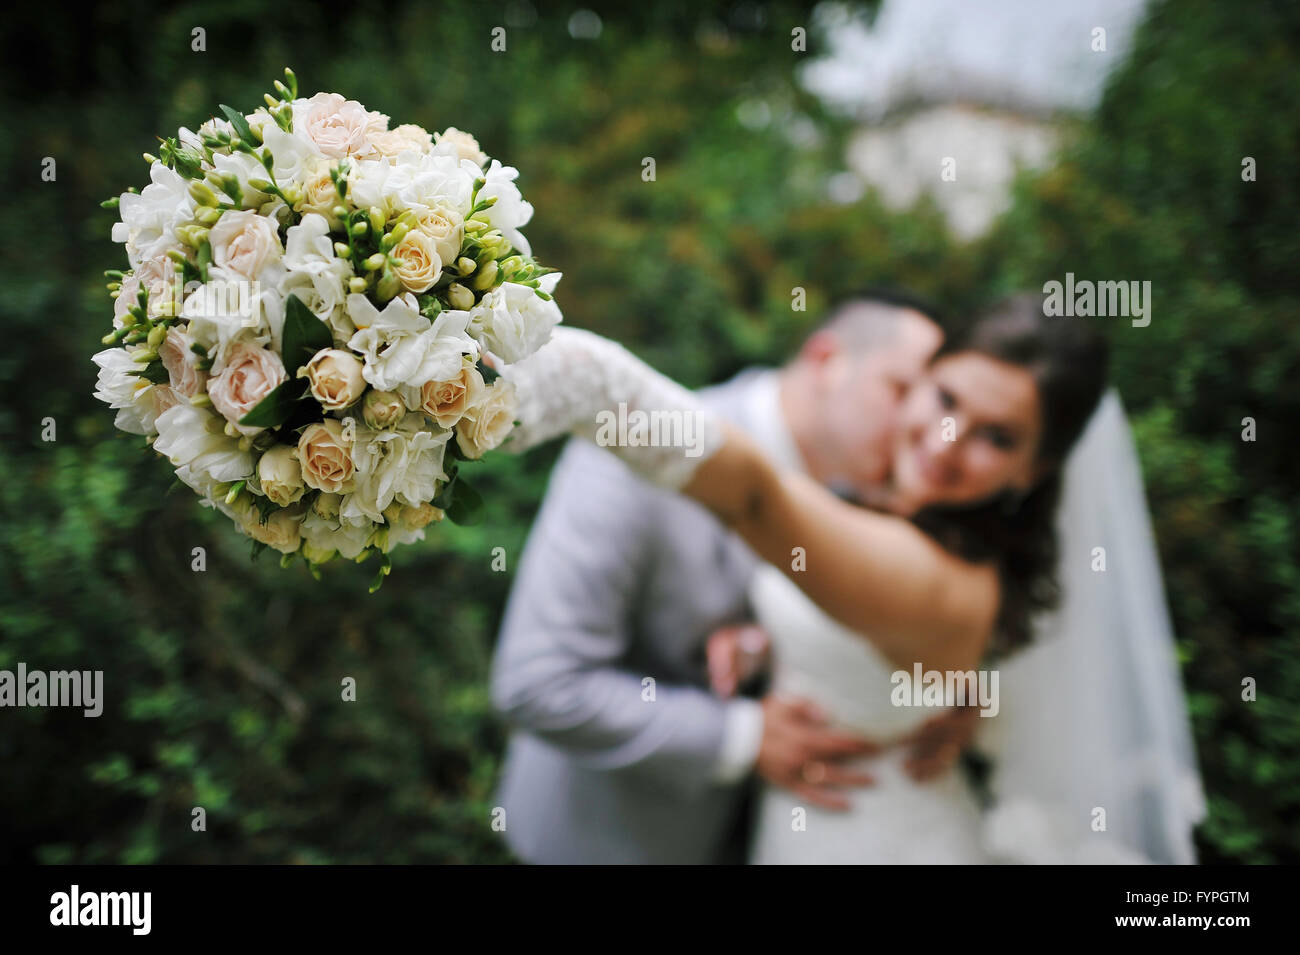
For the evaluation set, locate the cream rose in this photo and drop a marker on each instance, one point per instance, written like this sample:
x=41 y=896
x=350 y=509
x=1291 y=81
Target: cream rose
x=342 y=127
x=446 y=227
x=335 y=378
x=487 y=425
x=280 y=475
x=446 y=402
x=282 y=530
x=465 y=145
x=181 y=363
x=394 y=142
x=413 y=518
x=251 y=373
x=382 y=409
x=319 y=194
x=325 y=458
x=421 y=265
x=244 y=243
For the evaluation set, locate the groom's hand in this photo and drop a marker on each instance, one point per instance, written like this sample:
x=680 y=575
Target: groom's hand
x=800 y=752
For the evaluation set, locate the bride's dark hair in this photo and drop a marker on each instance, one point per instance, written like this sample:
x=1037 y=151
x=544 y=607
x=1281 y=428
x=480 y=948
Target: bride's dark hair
x=1068 y=360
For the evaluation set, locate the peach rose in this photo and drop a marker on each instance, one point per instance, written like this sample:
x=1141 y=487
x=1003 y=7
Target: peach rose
x=251 y=373
x=446 y=402
x=325 y=457
x=282 y=530
x=181 y=363
x=487 y=425
x=335 y=377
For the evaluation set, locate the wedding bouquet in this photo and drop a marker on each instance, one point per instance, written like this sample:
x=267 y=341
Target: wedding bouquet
x=302 y=329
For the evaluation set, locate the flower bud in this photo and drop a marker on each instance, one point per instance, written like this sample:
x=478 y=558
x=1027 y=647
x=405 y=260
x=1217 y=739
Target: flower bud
x=318 y=555
x=486 y=276
x=327 y=505
x=382 y=409
x=465 y=265
x=460 y=297
x=281 y=476
x=356 y=284
x=342 y=250
x=202 y=193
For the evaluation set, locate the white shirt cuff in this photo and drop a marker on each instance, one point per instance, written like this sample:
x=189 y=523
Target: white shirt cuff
x=742 y=735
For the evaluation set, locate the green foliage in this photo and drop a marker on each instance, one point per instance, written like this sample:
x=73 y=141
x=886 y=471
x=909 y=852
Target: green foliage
x=223 y=687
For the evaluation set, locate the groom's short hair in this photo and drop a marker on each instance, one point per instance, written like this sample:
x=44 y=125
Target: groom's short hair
x=870 y=318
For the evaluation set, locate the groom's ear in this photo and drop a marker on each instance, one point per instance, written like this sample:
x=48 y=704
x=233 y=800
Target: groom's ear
x=819 y=348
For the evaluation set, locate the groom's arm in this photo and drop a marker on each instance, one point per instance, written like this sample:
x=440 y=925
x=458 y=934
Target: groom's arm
x=560 y=670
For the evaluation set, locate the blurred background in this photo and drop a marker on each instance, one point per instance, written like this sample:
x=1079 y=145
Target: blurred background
x=776 y=169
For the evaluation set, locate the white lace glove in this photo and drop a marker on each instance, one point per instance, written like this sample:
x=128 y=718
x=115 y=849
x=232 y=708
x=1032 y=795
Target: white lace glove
x=580 y=383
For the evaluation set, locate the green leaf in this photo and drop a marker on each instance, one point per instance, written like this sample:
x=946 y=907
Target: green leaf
x=241 y=125
x=154 y=372
x=489 y=374
x=304 y=335
x=467 y=506
x=444 y=498
x=277 y=406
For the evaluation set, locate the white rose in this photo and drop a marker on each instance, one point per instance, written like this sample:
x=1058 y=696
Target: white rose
x=244 y=243
x=402 y=464
x=487 y=425
x=280 y=475
x=336 y=378
x=512 y=321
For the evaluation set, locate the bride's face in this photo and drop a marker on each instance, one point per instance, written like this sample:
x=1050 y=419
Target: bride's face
x=969 y=429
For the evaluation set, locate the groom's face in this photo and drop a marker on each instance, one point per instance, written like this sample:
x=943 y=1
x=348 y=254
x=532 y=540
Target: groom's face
x=860 y=394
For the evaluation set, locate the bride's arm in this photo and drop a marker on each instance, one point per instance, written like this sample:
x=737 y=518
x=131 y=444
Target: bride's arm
x=877 y=574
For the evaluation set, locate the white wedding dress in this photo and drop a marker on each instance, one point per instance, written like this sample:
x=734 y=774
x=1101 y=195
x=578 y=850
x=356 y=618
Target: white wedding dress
x=896 y=821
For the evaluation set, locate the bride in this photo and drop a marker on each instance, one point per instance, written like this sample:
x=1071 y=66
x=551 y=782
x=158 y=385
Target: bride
x=951 y=574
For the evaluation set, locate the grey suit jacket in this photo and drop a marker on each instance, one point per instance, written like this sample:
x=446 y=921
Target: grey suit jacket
x=619 y=581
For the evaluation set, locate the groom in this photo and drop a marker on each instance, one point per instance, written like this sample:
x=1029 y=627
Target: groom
x=620 y=753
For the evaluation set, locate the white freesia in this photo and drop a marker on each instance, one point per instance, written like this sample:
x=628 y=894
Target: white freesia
x=510 y=213
x=403 y=464
x=416 y=181
x=128 y=394
x=512 y=321
x=245 y=169
x=327 y=533
x=196 y=437
x=294 y=154
x=317 y=276
x=149 y=218
x=218 y=327
x=400 y=345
